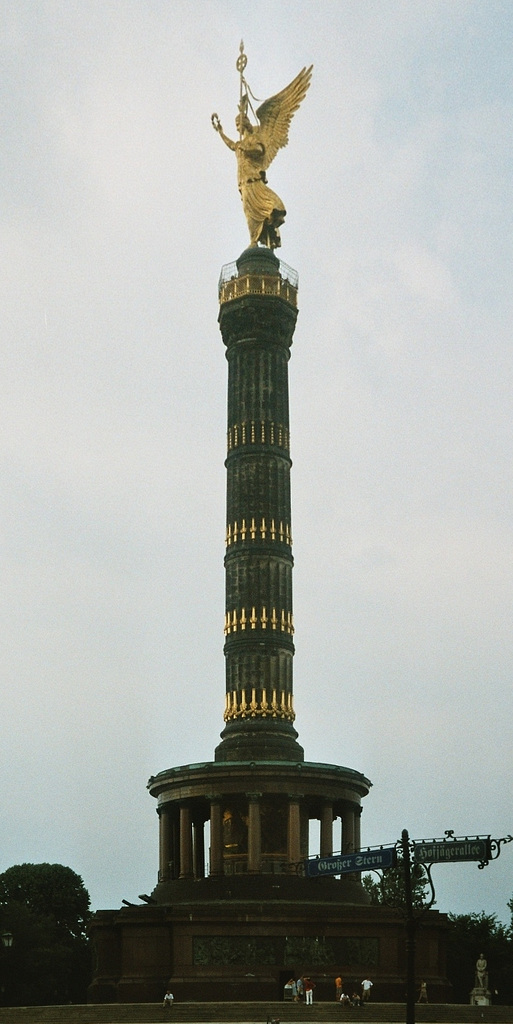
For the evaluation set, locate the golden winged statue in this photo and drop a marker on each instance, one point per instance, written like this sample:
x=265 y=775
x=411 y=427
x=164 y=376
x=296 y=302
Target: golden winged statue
x=257 y=147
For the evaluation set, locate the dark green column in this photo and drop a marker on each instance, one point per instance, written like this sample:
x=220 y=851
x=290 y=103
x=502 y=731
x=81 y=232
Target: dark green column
x=257 y=319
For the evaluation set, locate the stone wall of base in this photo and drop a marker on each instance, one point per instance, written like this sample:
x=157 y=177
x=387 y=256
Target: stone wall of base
x=245 y=952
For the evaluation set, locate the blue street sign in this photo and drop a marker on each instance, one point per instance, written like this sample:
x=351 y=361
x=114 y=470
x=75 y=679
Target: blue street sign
x=348 y=863
x=450 y=850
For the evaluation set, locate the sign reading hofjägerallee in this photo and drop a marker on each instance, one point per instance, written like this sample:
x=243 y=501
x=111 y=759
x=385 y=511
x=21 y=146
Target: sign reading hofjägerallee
x=347 y=863
x=452 y=850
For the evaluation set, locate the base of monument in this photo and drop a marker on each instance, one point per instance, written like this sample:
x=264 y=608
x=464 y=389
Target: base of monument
x=239 y=889
x=244 y=950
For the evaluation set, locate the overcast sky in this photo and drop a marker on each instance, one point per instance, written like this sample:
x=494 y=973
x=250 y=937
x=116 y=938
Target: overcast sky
x=118 y=208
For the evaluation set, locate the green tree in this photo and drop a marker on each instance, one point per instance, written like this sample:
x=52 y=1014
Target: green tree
x=49 y=889
x=46 y=907
x=470 y=935
x=389 y=889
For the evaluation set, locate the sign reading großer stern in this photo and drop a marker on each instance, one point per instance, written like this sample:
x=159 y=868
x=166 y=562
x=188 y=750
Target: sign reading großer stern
x=451 y=850
x=348 y=863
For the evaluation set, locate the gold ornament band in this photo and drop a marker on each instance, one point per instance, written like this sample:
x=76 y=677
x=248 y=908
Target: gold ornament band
x=246 y=619
x=255 y=432
x=279 y=705
x=249 y=529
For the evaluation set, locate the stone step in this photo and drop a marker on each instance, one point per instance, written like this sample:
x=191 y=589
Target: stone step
x=255 y=1012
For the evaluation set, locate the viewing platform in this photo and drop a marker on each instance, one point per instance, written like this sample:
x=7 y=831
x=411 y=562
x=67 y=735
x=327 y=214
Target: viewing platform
x=235 y=285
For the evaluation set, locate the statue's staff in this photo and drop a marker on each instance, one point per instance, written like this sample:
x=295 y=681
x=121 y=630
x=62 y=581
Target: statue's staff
x=244 y=90
x=241 y=62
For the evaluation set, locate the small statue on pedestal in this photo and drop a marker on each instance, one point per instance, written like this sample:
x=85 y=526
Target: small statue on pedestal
x=481 y=980
x=480 y=995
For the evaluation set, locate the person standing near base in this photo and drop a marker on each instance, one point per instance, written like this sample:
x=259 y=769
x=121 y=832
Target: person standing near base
x=423 y=998
x=338 y=988
x=168 y=1000
x=366 y=987
x=309 y=987
x=292 y=986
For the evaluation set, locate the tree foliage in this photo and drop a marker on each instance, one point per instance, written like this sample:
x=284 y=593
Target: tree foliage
x=390 y=889
x=48 y=889
x=46 y=908
x=469 y=936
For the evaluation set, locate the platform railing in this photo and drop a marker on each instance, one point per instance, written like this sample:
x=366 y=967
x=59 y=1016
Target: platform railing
x=234 y=286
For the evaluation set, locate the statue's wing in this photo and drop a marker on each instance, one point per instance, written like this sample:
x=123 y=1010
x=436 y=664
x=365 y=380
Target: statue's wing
x=276 y=113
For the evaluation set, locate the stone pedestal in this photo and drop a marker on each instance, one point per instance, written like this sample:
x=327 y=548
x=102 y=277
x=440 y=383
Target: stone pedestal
x=480 y=997
x=234 y=917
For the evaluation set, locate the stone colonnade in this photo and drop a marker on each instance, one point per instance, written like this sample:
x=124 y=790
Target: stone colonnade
x=182 y=834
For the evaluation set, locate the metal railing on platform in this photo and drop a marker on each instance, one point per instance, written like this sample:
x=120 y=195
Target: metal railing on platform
x=234 y=286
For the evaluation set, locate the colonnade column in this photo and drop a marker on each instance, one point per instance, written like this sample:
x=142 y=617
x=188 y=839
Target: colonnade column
x=294 y=831
x=358 y=828
x=199 y=848
x=216 y=837
x=185 y=842
x=165 y=846
x=326 y=843
x=348 y=830
x=254 y=833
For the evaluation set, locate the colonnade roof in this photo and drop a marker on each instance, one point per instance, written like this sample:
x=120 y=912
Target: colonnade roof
x=222 y=766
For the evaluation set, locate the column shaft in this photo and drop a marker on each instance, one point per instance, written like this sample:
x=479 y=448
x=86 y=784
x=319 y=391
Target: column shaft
x=199 y=849
x=185 y=842
x=348 y=836
x=257 y=329
x=254 y=835
x=294 y=831
x=216 y=838
x=165 y=845
x=326 y=830
x=357 y=828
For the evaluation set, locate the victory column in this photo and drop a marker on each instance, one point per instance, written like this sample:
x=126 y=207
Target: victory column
x=232 y=914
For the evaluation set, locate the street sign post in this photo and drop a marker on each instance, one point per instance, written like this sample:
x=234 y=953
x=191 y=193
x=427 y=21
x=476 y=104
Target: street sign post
x=350 y=863
x=451 y=849
x=448 y=851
